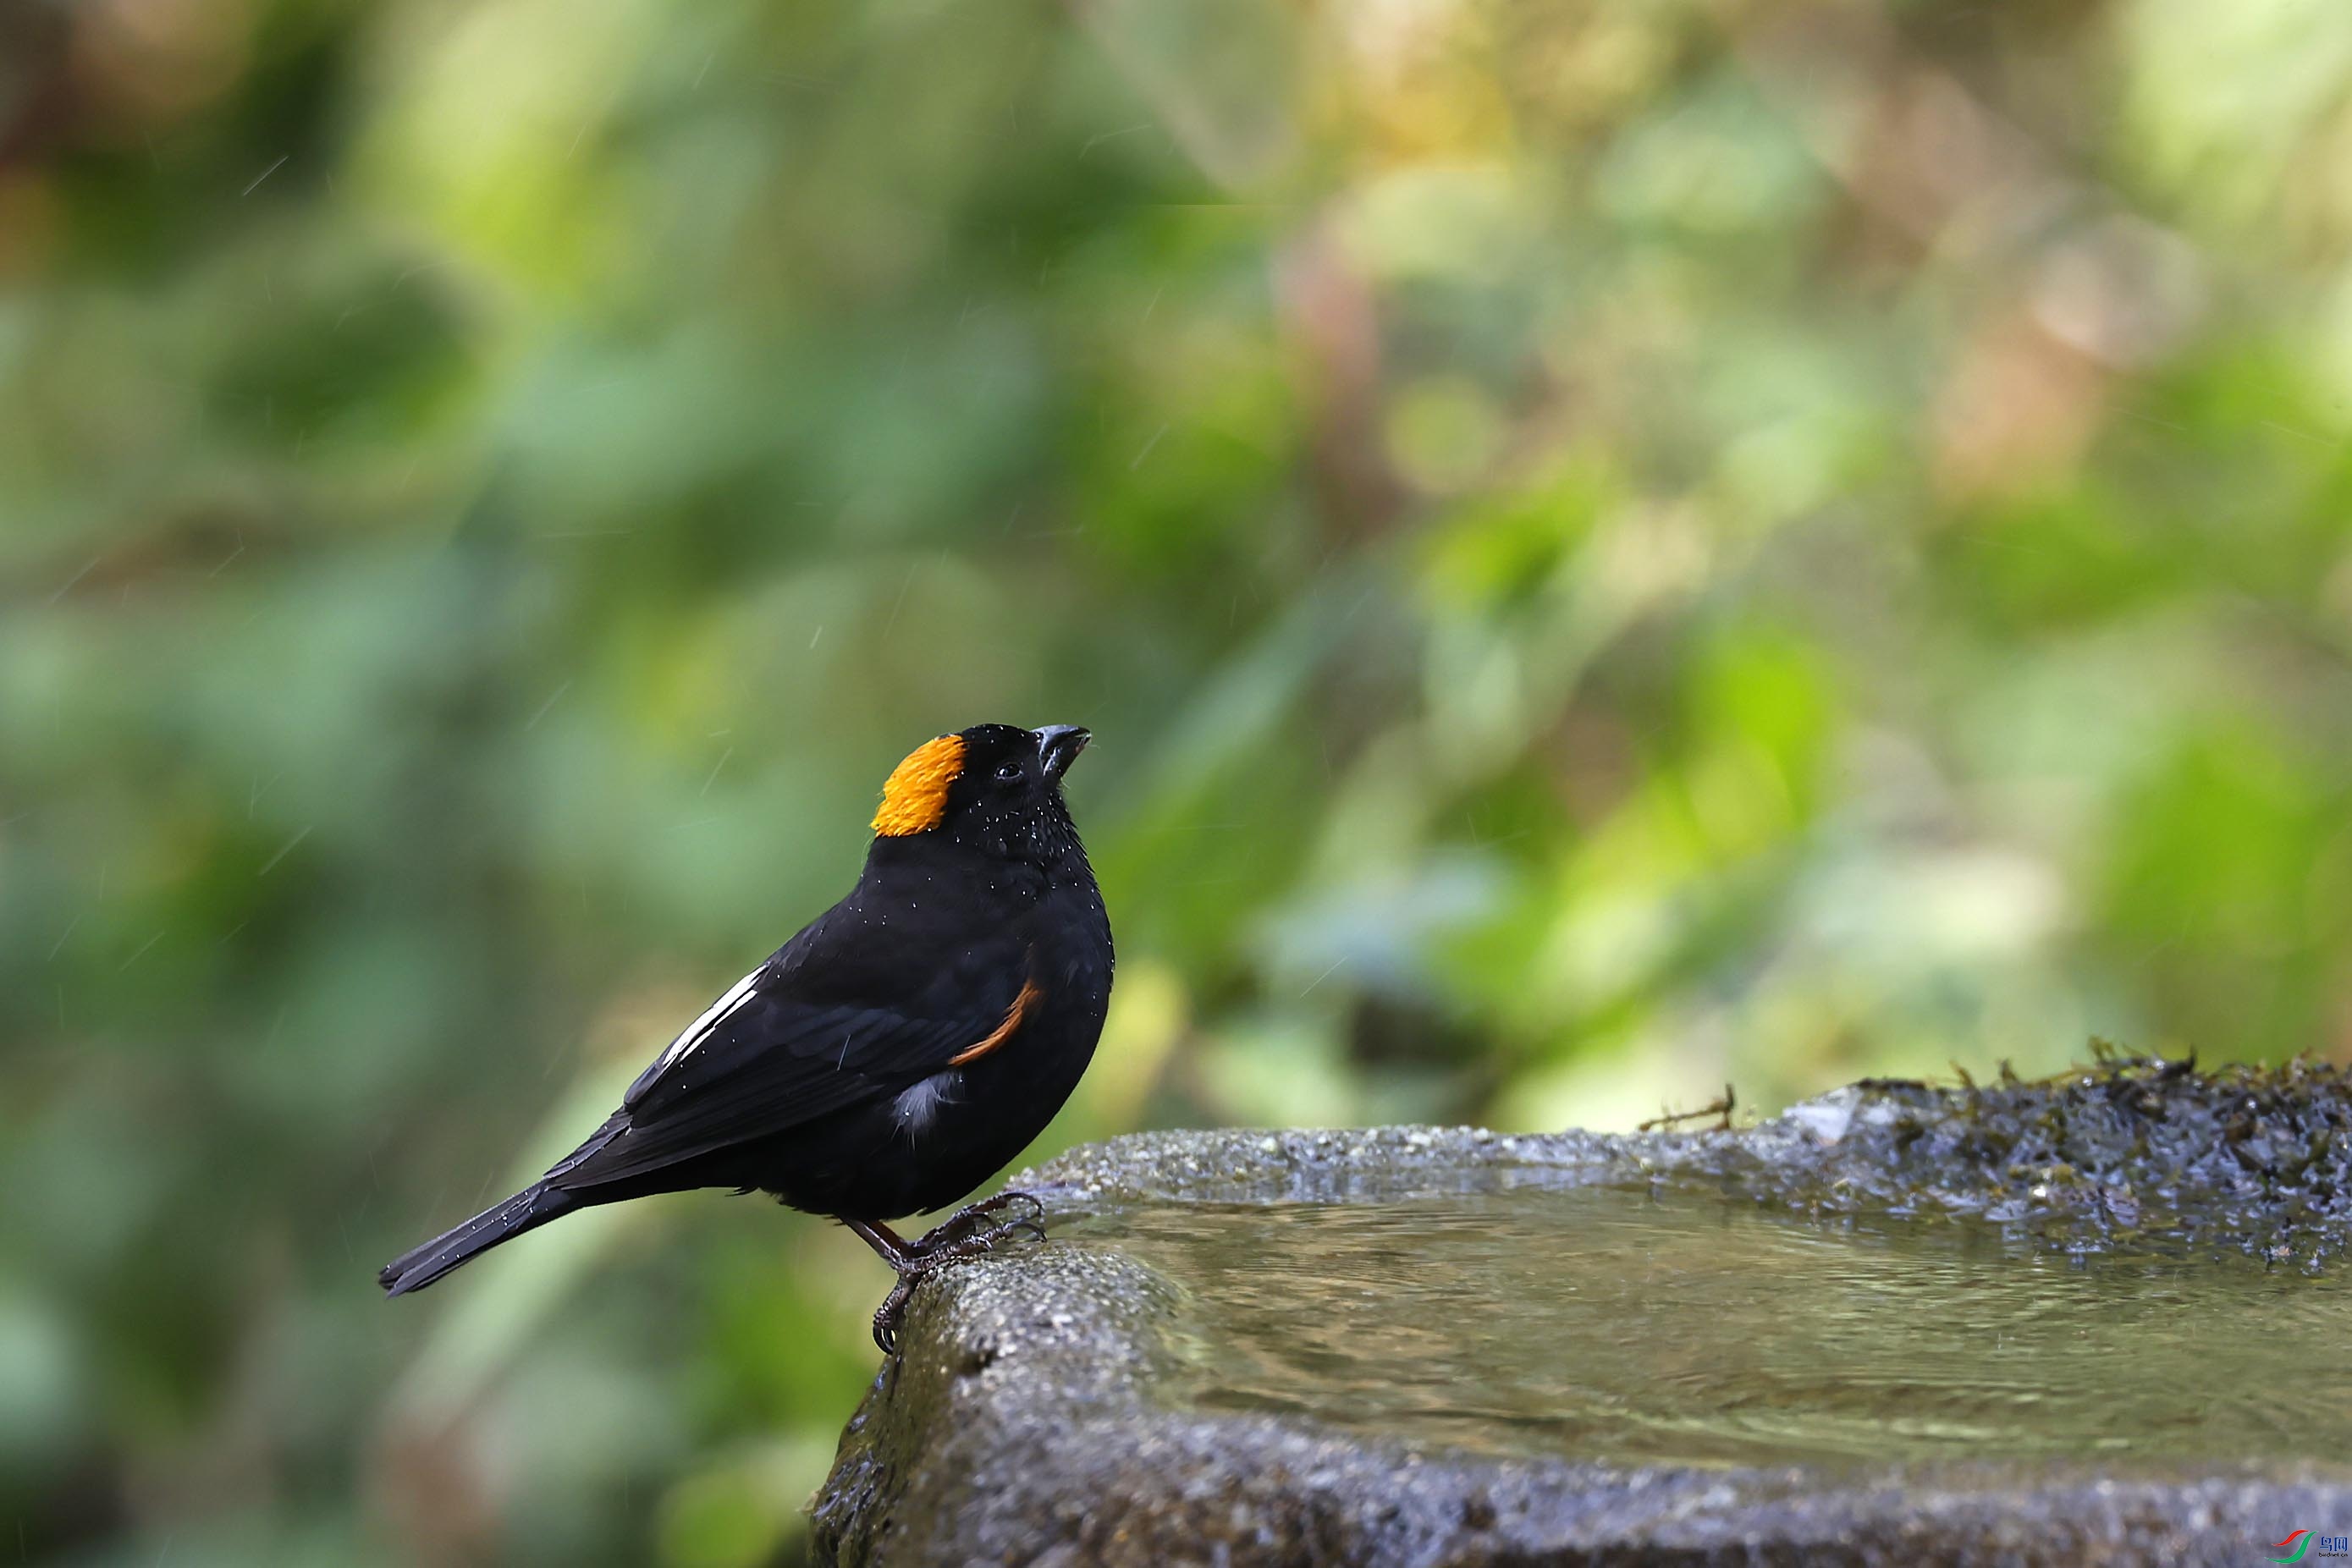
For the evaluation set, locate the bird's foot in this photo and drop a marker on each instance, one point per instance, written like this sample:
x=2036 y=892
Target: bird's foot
x=969 y=1233
x=971 y=1220
x=892 y=1308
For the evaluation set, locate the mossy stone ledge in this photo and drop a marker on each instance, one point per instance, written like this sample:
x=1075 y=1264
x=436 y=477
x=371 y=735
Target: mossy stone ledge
x=1138 y=1390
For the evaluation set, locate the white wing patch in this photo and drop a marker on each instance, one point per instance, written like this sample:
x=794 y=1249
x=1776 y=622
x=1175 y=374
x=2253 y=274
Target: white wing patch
x=700 y=1029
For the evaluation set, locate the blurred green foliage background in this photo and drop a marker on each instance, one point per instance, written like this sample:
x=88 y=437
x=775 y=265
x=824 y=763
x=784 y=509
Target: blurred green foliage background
x=1607 y=546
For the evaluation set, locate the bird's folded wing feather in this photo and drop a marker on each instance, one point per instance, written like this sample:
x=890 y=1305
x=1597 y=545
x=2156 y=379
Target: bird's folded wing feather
x=762 y=1061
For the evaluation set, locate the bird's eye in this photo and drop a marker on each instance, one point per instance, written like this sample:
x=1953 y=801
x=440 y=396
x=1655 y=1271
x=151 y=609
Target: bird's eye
x=1006 y=772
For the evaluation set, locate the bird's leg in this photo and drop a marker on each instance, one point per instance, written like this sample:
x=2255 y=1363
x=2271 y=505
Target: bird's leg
x=887 y=1244
x=892 y=1249
x=913 y=1261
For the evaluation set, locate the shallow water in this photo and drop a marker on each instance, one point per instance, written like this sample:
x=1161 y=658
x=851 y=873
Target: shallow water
x=1683 y=1329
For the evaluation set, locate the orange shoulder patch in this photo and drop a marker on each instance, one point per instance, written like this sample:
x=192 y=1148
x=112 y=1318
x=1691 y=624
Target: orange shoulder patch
x=1031 y=995
x=915 y=796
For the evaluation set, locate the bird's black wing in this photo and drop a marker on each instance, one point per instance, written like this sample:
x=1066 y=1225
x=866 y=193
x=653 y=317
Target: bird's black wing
x=766 y=1058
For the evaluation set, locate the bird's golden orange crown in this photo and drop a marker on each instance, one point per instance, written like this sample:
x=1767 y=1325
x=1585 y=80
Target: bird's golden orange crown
x=915 y=796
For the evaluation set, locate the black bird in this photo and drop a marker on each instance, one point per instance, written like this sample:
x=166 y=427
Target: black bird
x=905 y=1045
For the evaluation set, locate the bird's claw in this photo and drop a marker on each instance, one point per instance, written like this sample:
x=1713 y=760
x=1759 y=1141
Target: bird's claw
x=999 y=1204
x=892 y=1308
x=1003 y=1230
x=950 y=1242
x=965 y=1222
x=936 y=1250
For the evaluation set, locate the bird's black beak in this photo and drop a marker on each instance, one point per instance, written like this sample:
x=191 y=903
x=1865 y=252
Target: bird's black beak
x=1058 y=745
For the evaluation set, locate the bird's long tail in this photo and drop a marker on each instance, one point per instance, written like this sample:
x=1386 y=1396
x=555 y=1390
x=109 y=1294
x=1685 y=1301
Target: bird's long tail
x=528 y=1209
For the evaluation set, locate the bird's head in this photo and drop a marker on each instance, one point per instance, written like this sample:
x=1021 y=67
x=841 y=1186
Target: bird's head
x=994 y=784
